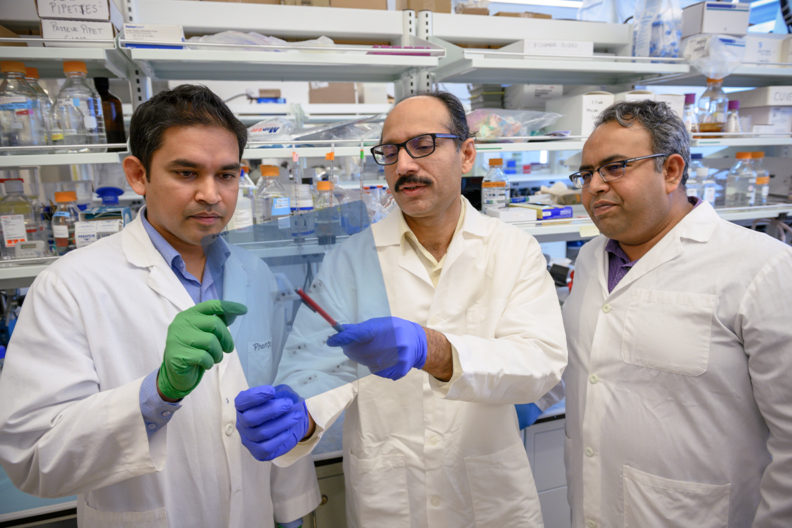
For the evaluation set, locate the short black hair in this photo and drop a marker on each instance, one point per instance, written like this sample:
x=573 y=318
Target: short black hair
x=458 y=125
x=185 y=105
x=668 y=132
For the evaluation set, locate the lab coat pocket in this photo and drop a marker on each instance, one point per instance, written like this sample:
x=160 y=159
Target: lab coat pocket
x=502 y=488
x=93 y=518
x=379 y=490
x=650 y=500
x=668 y=331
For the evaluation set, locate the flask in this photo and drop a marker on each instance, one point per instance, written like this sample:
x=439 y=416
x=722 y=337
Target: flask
x=272 y=200
x=712 y=106
x=741 y=181
x=302 y=221
x=762 y=178
x=23 y=236
x=77 y=93
x=328 y=215
x=45 y=103
x=495 y=186
x=733 y=117
x=689 y=116
x=21 y=121
x=112 y=112
x=63 y=220
x=694 y=181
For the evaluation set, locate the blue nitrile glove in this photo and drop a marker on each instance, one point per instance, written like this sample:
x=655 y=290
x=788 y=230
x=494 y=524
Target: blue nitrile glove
x=270 y=420
x=293 y=524
x=388 y=346
x=527 y=413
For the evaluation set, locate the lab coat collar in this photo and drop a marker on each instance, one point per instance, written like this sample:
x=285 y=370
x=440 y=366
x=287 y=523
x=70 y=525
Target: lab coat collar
x=697 y=226
x=140 y=252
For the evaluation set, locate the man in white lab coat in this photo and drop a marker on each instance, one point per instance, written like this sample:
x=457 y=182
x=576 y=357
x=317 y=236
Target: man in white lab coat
x=432 y=438
x=679 y=404
x=110 y=389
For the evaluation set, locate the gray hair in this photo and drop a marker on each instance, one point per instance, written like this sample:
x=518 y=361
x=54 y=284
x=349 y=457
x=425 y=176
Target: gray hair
x=666 y=129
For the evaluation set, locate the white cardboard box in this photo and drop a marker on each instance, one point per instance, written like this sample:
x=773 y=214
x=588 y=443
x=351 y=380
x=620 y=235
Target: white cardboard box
x=786 y=50
x=73 y=9
x=579 y=112
x=675 y=101
x=77 y=30
x=763 y=47
x=715 y=17
x=552 y=48
x=764 y=96
x=778 y=118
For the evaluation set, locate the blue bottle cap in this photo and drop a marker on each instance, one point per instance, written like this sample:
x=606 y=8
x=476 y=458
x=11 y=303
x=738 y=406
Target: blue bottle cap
x=109 y=195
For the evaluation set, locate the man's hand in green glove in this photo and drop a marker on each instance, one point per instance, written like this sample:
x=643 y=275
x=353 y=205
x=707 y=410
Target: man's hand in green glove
x=196 y=340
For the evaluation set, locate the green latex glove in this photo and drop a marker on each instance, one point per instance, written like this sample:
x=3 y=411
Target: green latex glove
x=196 y=340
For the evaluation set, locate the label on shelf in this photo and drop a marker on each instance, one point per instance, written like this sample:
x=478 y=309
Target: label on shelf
x=13 y=229
x=74 y=9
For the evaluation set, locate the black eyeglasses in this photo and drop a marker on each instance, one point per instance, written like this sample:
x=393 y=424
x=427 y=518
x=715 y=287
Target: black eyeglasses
x=417 y=147
x=608 y=172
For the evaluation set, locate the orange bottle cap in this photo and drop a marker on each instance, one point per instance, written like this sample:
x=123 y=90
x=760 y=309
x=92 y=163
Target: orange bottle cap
x=324 y=185
x=74 y=66
x=330 y=156
x=65 y=196
x=31 y=72
x=12 y=66
x=269 y=171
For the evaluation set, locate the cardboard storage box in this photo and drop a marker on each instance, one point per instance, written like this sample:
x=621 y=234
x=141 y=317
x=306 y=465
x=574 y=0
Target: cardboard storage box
x=524 y=14
x=764 y=96
x=71 y=10
x=579 y=112
x=332 y=93
x=80 y=31
x=552 y=48
x=763 y=48
x=314 y=3
x=472 y=11
x=675 y=101
x=766 y=119
x=715 y=17
x=438 y=6
x=360 y=4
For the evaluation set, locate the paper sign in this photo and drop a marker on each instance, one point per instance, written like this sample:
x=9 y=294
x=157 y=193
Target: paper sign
x=74 y=9
x=76 y=30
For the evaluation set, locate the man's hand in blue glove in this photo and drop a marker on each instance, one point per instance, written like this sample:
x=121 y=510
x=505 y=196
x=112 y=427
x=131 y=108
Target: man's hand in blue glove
x=527 y=413
x=271 y=420
x=388 y=346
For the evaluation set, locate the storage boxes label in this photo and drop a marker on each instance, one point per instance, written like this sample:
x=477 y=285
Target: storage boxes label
x=76 y=30
x=74 y=9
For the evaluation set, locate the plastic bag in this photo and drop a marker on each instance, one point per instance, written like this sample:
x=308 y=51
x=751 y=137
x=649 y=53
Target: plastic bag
x=272 y=128
x=714 y=56
x=492 y=123
x=252 y=38
x=658 y=28
x=614 y=11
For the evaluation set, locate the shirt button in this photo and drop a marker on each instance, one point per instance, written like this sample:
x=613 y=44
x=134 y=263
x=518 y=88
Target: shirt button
x=151 y=426
x=166 y=413
x=591 y=523
x=589 y=452
x=435 y=500
x=593 y=378
x=434 y=440
x=606 y=308
x=229 y=429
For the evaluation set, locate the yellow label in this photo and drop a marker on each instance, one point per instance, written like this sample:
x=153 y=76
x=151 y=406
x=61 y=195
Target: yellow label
x=762 y=180
x=490 y=184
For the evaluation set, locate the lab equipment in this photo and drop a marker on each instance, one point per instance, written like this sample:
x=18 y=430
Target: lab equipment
x=76 y=93
x=328 y=214
x=495 y=186
x=689 y=116
x=741 y=182
x=310 y=303
x=700 y=183
x=112 y=113
x=21 y=121
x=104 y=220
x=271 y=201
x=762 y=178
x=733 y=117
x=64 y=219
x=196 y=340
x=388 y=346
x=712 y=107
x=270 y=420
x=23 y=235
x=45 y=102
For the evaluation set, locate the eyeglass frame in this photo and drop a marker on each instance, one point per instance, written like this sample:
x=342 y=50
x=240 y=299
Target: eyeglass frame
x=403 y=145
x=575 y=175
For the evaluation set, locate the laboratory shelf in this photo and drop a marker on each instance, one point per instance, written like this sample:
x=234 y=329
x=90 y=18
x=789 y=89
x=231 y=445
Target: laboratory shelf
x=102 y=59
x=482 y=66
x=744 y=141
x=747 y=75
x=364 y=65
x=80 y=158
x=20 y=273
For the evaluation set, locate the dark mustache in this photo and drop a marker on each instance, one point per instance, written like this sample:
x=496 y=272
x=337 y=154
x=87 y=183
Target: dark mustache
x=410 y=178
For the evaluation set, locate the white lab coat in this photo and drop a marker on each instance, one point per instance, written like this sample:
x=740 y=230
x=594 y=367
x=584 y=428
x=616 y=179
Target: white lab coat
x=92 y=326
x=419 y=452
x=679 y=400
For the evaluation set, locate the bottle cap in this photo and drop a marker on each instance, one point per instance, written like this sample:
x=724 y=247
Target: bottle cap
x=65 y=196
x=712 y=80
x=102 y=83
x=757 y=155
x=74 y=66
x=324 y=185
x=743 y=155
x=696 y=156
x=690 y=98
x=496 y=162
x=31 y=72
x=269 y=171
x=13 y=185
x=109 y=195
x=12 y=66
x=734 y=104
x=330 y=156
